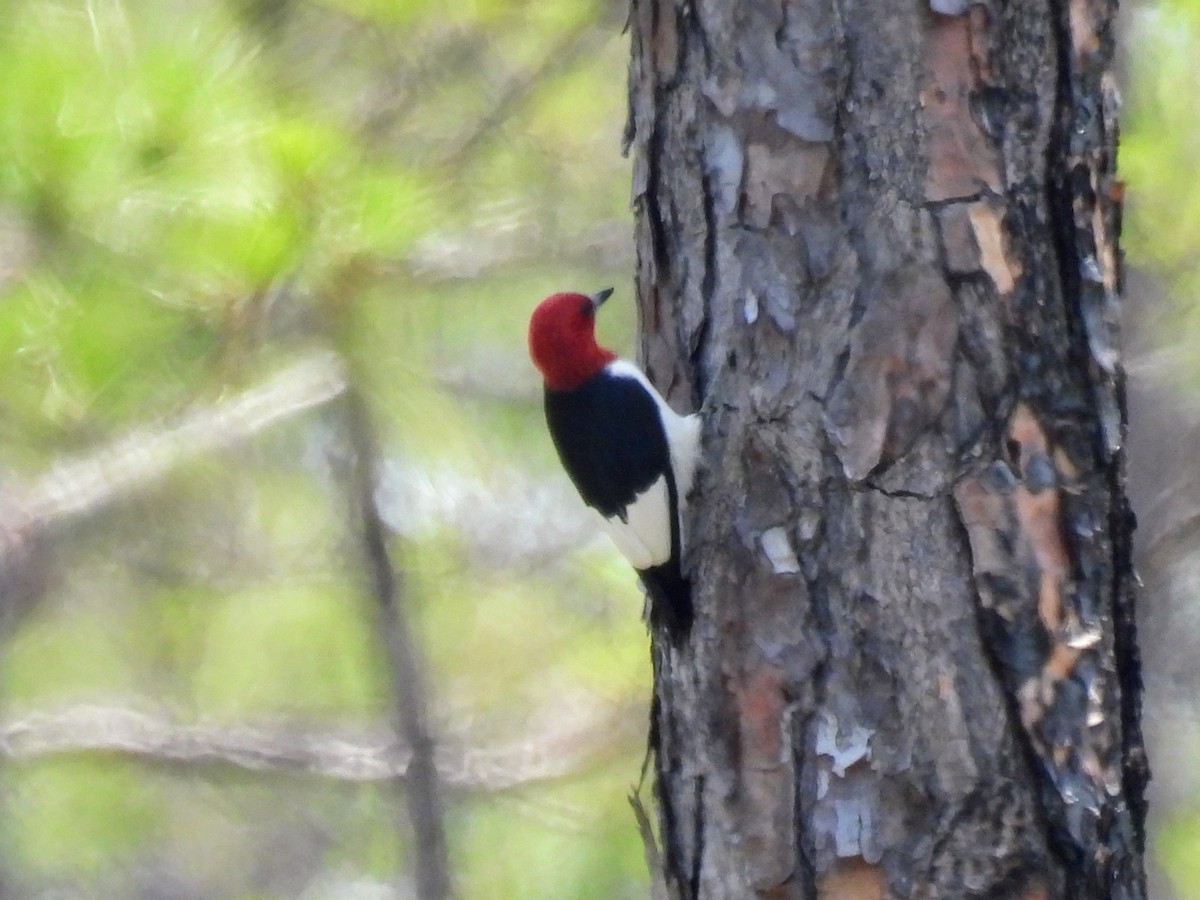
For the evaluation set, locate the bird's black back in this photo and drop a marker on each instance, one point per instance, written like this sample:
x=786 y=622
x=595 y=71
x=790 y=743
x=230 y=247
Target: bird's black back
x=591 y=427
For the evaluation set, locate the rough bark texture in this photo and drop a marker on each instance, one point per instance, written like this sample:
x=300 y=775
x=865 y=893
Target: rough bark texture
x=877 y=246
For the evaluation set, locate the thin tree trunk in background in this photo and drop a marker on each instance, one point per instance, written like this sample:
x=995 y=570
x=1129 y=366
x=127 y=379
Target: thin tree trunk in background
x=877 y=242
x=420 y=785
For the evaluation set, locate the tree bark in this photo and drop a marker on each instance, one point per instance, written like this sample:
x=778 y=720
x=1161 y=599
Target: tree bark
x=877 y=246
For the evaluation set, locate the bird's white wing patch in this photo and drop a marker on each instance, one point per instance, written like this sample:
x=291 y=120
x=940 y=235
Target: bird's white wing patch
x=645 y=537
x=683 y=437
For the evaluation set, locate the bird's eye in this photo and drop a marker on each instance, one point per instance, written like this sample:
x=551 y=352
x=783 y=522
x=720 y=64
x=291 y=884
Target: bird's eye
x=587 y=309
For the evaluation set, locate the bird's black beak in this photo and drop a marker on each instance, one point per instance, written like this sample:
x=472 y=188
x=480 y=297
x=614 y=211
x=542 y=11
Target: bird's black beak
x=599 y=297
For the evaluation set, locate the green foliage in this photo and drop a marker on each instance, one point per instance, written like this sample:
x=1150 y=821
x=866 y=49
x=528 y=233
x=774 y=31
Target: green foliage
x=89 y=655
x=1159 y=145
x=289 y=649
x=1178 y=849
x=104 y=811
x=191 y=194
x=569 y=841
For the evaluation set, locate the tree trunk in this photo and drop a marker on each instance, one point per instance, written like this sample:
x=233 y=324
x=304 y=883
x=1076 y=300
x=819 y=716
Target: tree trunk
x=877 y=245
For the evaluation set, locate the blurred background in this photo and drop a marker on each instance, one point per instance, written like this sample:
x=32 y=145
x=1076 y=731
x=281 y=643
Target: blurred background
x=254 y=253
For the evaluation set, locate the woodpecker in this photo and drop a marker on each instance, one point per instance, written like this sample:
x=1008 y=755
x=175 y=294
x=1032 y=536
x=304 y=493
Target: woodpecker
x=630 y=456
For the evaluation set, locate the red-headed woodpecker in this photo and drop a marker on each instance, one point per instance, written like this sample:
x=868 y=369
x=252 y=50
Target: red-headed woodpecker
x=630 y=455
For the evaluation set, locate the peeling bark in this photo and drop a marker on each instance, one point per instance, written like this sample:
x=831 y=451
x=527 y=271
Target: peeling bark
x=877 y=246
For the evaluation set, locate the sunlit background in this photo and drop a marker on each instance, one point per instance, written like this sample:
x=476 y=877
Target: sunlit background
x=253 y=249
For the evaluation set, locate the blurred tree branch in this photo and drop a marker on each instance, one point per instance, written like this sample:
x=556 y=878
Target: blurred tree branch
x=87 y=484
x=83 y=485
x=568 y=740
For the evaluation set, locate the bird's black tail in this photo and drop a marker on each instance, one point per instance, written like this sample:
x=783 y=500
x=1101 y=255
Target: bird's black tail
x=670 y=593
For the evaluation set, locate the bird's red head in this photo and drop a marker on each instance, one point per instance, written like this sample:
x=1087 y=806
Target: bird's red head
x=562 y=339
